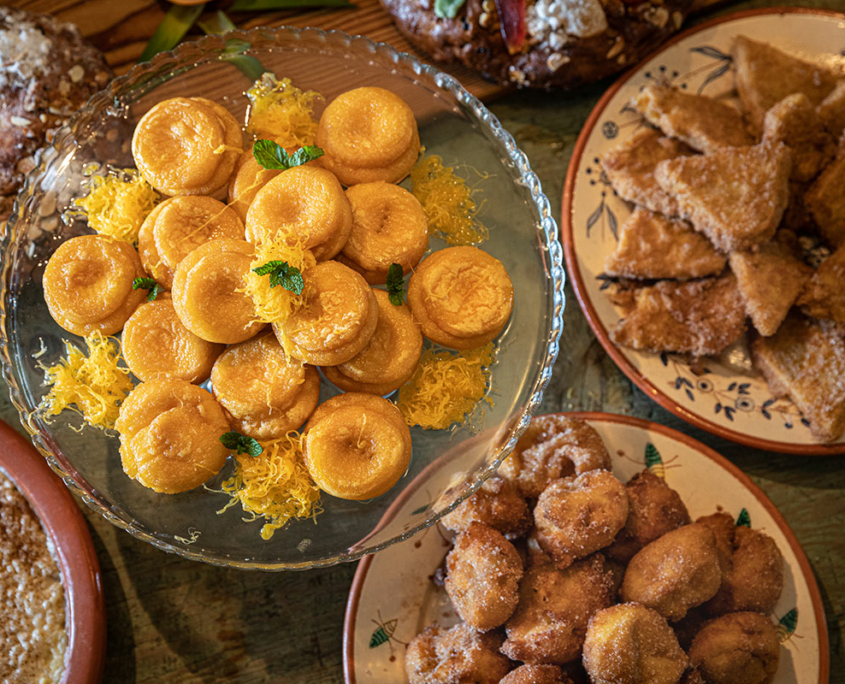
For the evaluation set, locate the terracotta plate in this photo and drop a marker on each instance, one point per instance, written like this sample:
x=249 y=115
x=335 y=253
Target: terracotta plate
x=392 y=598
x=64 y=522
x=729 y=399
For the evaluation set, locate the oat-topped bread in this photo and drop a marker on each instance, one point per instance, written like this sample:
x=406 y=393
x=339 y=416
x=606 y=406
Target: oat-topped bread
x=47 y=72
x=539 y=43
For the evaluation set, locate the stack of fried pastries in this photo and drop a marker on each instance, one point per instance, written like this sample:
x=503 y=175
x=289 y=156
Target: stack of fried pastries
x=727 y=203
x=562 y=574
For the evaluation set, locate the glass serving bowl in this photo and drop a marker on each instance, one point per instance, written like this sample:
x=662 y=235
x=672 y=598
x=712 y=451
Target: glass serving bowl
x=446 y=466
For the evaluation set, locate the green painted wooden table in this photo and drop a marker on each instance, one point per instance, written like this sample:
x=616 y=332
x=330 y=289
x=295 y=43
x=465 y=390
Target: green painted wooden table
x=172 y=620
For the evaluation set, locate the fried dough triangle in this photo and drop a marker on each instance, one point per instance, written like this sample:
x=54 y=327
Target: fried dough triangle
x=832 y=110
x=824 y=296
x=825 y=200
x=794 y=122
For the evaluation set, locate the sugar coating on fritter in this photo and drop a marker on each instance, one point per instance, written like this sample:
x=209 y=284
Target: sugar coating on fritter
x=631 y=644
x=577 y=516
x=654 y=509
x=736 y=196
x=550 y=621
x=739 y=648
x=497 y=503
x=824 y=296
x=552 y=447
x=652 y=246
x=702 y=122
x=536 y=674
x=456 y=656
x=826 y=202
x=677 y=572
x=700 y=317
x=483 y=573
x=831 y=110
x=630 y=168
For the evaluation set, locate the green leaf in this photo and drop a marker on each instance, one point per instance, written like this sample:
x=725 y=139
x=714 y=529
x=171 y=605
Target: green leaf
x=176 y=23
x=395 y=285
x=447 y=9
x=147 y=284
x=271 y=155
x=241 y=444
x=281 y=273
x=262 y=5
x=217 y=24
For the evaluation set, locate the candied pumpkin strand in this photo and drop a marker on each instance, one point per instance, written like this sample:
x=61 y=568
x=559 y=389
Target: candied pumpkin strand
x=281 y=112
x=117 y=204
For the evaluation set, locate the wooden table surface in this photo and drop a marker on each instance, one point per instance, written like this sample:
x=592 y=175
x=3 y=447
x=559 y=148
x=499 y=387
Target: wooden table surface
x=172 y=620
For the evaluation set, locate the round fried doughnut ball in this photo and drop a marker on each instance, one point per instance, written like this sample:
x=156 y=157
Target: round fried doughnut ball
x=388 y=226
x=554 y=607
x=654 y=509
x=678 y=571
x=576 y=516
x=249 y=177
x=170 y=435
x=187 y=146
x=459 y=654
x=265 y=395
x=552 y=447
x=356 y=446
x=631 y=644
x=738 y=648
x=496 y=503
x=338 y=316
x=208 y=296
x=304 y=202
x=88 y=284
x=536 y=674
x=368 y=134
x=483 y=572
x=179 y=225
x=390 y=357
x=155 y=342
x=461 y=296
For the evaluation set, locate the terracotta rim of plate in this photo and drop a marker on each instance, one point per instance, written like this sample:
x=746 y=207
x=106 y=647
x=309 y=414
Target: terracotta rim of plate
x=64 y=523
x=703 y=449
x=650 y=389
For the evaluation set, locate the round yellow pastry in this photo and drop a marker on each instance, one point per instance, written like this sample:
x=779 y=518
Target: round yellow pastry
x=461 y=296
x=390 y=357
x=208 y=296
x=249 y=177
x=338 y=316
x=179 y=225
x=187 y=146
x=356 y=446
x=265 y=394
x=388 y=226
x=368 y=134
x=88 y=284
x=170 y=435
x=304 y=202
x=155 y=343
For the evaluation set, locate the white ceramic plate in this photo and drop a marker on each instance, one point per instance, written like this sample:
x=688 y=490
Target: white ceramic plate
x=392 y=597
x=732 y=404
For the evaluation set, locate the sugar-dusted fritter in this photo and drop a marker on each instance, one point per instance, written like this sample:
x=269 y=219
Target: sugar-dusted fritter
x=677 y=572
x=756 y=274
x=534 y=554
x=652 y=246
x=704 y=123
x=536 y=674
x=630 y=168
x=794 y=122
x=552 y=447
x=825 y=200
x=690 y=625
x=796 y=218
x=699 y=317
x=497 y=503
x=723 y=527
x=805 y=361
x=736 y=196
x=577 y=516
x=765 y=75
x=738 y=648
x=554 y=608
x=824 y=295
x=459 y=655
x=631 y=644
x=483 y=572
x=831 y=110
x=654 y=509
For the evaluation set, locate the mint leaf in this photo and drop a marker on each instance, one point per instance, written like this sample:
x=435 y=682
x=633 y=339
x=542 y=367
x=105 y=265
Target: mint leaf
x=147 y=284
x=281 y=273
x=271 y=155
x=241 y=444
x=447 y=9
x=395 y=285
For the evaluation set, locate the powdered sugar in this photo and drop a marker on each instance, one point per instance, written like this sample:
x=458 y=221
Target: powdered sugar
x=552 y=21
x=24 y=50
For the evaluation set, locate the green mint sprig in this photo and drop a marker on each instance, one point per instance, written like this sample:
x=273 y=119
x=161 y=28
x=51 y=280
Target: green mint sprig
x=241 y=444
x=395 y=285
x=147 y=284
x=281 y=273
x=271 y=155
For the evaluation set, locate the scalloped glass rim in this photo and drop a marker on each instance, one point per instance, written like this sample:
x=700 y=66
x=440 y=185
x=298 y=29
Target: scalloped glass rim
x=145 y=77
